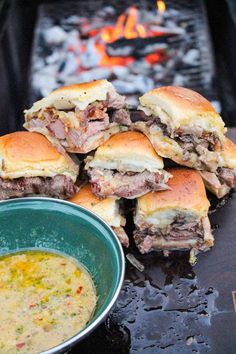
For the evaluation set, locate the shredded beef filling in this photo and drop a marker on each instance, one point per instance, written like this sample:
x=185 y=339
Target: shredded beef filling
x=96 y=118
x=179 y=231
x=223 y=176
x=227 y=176
x=127 y=185
x=60 y=186
x=198 y=141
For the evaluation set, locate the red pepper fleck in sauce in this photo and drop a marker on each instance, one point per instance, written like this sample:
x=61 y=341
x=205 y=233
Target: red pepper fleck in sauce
x=20 y=345
x=78 y=291
x=31 y=306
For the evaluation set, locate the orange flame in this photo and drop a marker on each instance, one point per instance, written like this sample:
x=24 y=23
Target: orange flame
x=127 y=26
x=161 y=7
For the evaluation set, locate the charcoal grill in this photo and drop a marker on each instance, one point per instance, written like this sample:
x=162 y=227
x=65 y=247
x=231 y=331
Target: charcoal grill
x=191 y=17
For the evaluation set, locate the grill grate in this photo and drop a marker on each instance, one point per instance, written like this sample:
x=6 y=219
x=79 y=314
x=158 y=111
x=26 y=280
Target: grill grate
x=50 y=68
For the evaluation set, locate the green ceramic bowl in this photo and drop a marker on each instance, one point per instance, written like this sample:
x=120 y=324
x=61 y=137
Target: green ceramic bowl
x=47 y=223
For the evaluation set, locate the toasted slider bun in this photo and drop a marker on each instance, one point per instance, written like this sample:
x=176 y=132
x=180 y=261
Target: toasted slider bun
x=80 y=95
x=107 y=209
x=179 y=106
x=228 y=154
x=187 y=195
x=67 y=98
x=127 y=151
x=25 y=154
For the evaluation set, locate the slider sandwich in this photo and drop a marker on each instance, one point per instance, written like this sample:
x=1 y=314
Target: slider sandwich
x=223 y=179
x=31 y=165
x=182 y=126
x=108 y=209
x=79 y=117
x=174 y=219
x=126 y=166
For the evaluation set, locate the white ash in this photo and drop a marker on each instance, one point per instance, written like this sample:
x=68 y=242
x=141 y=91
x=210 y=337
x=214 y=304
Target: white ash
x=94 y=74
x=192 y=57
x=55 y=35
x=179 y=80
x=91 y=58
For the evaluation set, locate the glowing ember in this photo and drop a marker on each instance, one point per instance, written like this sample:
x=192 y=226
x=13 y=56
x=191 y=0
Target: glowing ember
x=106 y=60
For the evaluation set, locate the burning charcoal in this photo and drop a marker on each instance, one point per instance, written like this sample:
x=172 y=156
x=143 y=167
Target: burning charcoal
x=55 y=35
x=94 y=74
x=179 y=80
x=44 y=83
x=72 y=43
x=141 y=67
x=107 y=10
x=53 y=58
x=217 y=106
x=90 y=57
x=120 y=71
x=70 y=65
x=151 y=48
x=192 y=57
x=132 y=101
x=125 y=44
x=71 y=20
x=157 y=68
x=136 y=46
x=138 y=83
x=171 y=30
x=124 y=51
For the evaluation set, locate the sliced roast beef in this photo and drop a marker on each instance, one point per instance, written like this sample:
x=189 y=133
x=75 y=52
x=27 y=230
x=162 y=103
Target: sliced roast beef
x=211 y=179
x=181 y=232
x=222 y=176
x=127 y=185
x=60 y=186
x=121 y=116
x=58 y=129
x=115 y=101
x=194 y=140
x=74 y=128
x=227 y=176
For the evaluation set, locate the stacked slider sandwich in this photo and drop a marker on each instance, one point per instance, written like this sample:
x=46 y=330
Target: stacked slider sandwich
x=184 y=127
x=175 y=219
x=107 y=208
x=31 y=165
x=79 y=117
x=126 y=166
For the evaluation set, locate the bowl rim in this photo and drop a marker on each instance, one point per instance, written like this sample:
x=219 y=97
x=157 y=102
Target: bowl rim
x=61 y=348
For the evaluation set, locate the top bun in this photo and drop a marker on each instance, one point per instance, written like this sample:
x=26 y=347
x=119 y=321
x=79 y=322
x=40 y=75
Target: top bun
x=186 y=194
x=80 y=95
x=228 y=154
x=179 y=106
x=127 y=151
x=25 y=154
x=107 y=209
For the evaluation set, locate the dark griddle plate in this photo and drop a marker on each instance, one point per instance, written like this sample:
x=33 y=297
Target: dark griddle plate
x=172 y=307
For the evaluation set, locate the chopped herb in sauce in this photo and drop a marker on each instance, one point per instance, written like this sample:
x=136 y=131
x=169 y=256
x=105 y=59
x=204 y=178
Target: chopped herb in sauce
x=47 y=299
